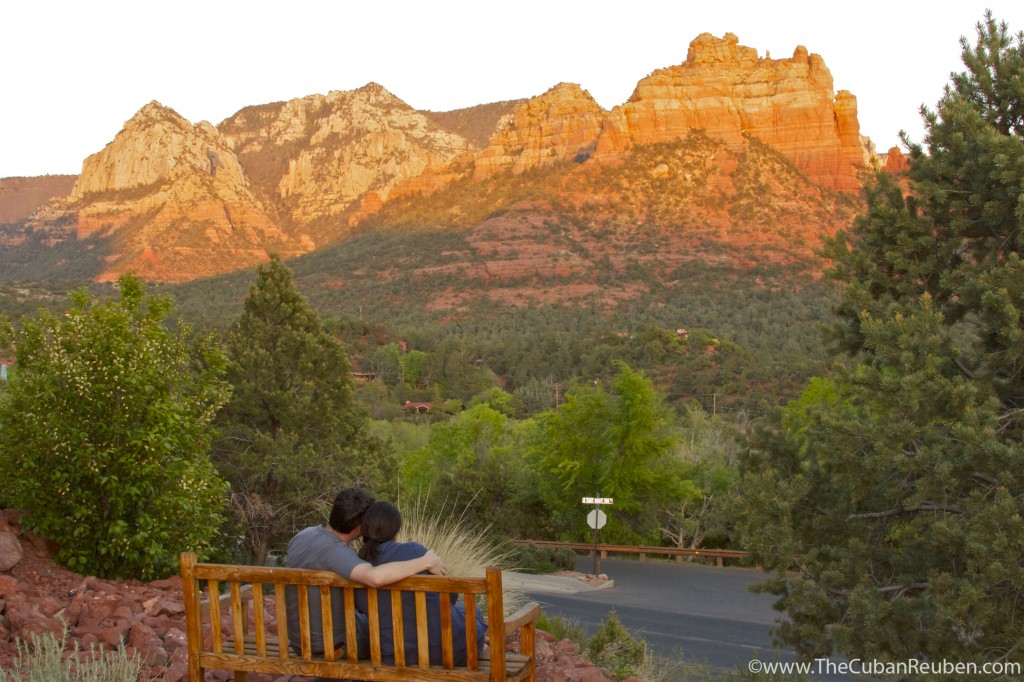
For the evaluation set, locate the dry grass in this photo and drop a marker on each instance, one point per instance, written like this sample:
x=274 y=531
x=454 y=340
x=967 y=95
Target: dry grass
x=44 y=659
x=465 y=548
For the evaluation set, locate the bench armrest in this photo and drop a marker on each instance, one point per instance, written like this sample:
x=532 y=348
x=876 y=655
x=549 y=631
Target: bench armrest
x=527 y=614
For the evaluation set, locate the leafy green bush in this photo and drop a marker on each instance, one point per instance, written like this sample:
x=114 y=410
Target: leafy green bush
x=615 y=648
x=106 y=433
x=42 y=660
x=533 y=559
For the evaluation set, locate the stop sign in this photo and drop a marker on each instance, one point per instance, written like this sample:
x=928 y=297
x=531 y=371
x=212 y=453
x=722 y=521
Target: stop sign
x=596 y=519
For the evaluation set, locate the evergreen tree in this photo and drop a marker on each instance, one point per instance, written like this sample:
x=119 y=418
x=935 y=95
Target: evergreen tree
x=106 y=434
x=896 y=490
x=292 y=434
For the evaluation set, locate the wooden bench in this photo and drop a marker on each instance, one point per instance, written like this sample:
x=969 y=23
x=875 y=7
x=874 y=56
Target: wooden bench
x=240 y=635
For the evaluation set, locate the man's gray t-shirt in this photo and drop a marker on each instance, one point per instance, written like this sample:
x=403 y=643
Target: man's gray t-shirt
x=320 y=548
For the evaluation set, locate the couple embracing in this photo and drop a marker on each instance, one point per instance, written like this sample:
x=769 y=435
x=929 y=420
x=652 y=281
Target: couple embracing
x=382 y=560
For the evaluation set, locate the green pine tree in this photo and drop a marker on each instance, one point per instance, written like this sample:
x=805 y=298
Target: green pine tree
x=895 y=490
x=293 y=433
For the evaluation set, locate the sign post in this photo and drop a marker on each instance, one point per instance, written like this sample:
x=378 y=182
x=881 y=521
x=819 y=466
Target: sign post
x=596 y=520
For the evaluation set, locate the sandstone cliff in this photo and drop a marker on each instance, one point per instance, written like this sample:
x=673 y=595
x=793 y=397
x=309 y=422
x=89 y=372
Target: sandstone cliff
x=174 y=199
x=561 y=124
x=727 y=90
x=332 y=150
x=895 y=162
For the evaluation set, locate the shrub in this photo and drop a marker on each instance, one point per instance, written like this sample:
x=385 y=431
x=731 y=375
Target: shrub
x=465 y=550
x=106 y=435
x=43 y=660
x=533 y=559
x=615 y=648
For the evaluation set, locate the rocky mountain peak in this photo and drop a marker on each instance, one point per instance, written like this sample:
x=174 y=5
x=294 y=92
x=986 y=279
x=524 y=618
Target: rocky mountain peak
x=155 y=146
x=561 y=124
x=360 y=141
x=725 y=89
x=187 y=200
x=708 y=51
x=177 y=198
x=377 y=94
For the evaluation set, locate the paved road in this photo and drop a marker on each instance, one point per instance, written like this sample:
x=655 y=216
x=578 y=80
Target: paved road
x=695 y=613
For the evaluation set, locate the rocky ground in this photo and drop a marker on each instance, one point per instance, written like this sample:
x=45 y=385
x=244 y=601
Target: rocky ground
x=38 y=597
x=596 y=581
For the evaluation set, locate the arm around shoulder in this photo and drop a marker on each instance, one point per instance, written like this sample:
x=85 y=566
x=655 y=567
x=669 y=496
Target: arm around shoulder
x=385 y=574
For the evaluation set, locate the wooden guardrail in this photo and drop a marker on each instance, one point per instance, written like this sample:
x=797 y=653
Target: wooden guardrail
x=720 y=555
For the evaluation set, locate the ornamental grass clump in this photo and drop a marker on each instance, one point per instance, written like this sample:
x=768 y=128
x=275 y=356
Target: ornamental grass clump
x=466 y=550
x=42 y=659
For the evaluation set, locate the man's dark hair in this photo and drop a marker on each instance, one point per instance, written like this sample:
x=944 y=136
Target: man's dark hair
x=349 y=507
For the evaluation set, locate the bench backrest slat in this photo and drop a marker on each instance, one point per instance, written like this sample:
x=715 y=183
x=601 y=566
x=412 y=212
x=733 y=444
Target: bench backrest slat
x=305 y=643
x=398 y=627
x=447 y=658
x=496 y=623
x=472 y=659
x=237 y=617
x=213 y=590
x=282 y=620
x=351 y=646
x=259 y=619
x=327 y=622
x=423 y=653
x=373 y=614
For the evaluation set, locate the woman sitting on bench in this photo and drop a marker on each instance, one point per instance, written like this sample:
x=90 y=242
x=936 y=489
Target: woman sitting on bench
x=381 y=523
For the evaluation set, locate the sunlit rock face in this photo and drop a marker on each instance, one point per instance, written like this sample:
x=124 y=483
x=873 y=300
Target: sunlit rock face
x=729 y=91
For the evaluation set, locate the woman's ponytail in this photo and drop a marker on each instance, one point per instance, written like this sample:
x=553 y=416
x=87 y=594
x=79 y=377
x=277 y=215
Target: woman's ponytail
x=381 y=523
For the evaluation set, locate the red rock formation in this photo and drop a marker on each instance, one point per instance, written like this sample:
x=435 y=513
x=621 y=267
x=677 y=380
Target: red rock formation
x=558 y=125
x=895 y=162
x=727 y=90
x=177 y=200
x=180 y=201
x=345 y=144
x=848 y=128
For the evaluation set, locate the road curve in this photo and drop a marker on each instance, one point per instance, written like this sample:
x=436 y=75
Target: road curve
x=700 y=614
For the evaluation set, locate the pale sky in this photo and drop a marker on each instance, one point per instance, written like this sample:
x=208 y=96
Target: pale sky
x=73 y=71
